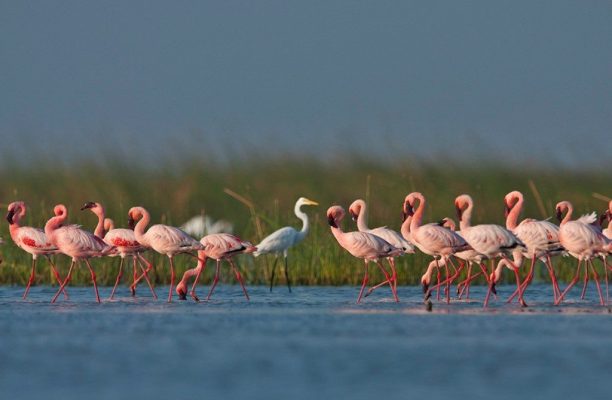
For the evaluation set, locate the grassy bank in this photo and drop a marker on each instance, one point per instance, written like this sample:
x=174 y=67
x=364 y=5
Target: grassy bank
x=175 y=193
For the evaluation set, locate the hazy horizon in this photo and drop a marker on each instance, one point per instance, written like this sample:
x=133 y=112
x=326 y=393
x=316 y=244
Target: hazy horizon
x=519 y=83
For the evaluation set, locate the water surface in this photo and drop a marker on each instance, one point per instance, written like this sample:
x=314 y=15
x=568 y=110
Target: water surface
x=312 y=343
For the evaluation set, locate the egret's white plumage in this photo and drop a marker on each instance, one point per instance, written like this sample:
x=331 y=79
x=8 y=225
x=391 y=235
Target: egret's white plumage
x=279 y=241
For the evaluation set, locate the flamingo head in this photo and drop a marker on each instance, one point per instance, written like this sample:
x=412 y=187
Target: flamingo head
x=448 y=223
x=15 y=208
x=109 y=224
x=355 y=209
x=408 y=207
x=90 y=205
x=60 y=210
x=561 y=208
x=134 y=215
x=462 y=202
x=181 y=290
x=510 y=201
x=334 y=215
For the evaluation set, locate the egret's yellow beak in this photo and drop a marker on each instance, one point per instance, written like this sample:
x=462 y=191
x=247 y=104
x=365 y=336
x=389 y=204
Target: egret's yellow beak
x=309 y=202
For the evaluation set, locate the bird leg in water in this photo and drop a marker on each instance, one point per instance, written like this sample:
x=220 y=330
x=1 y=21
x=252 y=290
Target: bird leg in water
x=446 y=281
x=272 y=274
x=145 y=274
x=215 y=280
x=119 y=275
x=384 y=271
x=287 y=275
x=171 y=279
x=32 y=277
x=57 y=276
x=239 y=277
x=195 y=282
x=596 y=278
x=586 y=280
x=68 y=277
x=570 y=285
x=364 y=282
x=93 y=279
x=386 y=282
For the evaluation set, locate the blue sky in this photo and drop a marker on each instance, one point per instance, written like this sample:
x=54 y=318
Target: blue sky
x=521 y=81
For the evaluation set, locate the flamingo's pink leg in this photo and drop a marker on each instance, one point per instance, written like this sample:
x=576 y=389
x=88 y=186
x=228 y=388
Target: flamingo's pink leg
x=596 y=277
x=57 y=276
x=119 y=275
x=215 y=280
x=571 y=284
x=239 y=277
x=68 y=277
x=31 y=280
x=145 y=274
x=445 y=282
x=195 y=282
x=388 y=277
x=586 y=281
x=364 y=282
x=93 y=279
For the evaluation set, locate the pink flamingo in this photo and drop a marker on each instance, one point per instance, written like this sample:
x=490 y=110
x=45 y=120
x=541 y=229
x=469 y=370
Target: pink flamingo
x=362 y=245
x=490 y=240
x=164 y=239
x=219 y=246
x=125 y=242
x=31 y=240
x=75 y=243
x=470 y=256
x=358 y=211
x=433 y=239
x=540 y=237
x=584 y=242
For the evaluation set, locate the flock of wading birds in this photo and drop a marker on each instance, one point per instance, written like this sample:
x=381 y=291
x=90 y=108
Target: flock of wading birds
x=584 y=238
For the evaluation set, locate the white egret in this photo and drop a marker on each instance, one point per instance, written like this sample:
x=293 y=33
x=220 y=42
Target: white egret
x=281 y=240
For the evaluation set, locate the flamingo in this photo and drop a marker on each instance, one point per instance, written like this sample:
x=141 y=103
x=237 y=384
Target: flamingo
x=490 y=240
x=432 y=239
x=279 y=241
x=470 y=256
x=362 y=245
x=125 y=242
x=76 y=243
x=218 y=246
x=358 y=211
x=164 y=239
x=540 y=237
x=608 y=214
x=31 y=240
x=584 y=242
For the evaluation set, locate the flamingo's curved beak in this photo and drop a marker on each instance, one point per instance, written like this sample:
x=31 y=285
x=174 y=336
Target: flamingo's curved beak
x=559 y=214
x=131 y=222
x=89 y=204
x=332 y=221
x=9 y=216
x=354 y=215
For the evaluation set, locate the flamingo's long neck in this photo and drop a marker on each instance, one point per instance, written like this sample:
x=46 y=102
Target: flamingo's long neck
x=139 y=229
x=466 y=217
x=417 y=218
x=513 y=215
x=568 y=215
x=405 y=229
x=362 y=226
x=53 y=224
x=99 y=231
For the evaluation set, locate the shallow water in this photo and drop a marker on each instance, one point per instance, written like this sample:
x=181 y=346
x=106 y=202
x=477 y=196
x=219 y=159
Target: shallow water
x=312 y=343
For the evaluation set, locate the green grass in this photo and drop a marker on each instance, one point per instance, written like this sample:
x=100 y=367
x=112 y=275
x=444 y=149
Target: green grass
x=174 y=193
